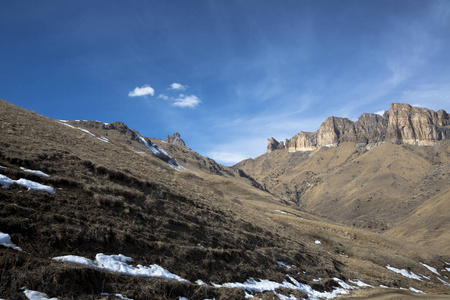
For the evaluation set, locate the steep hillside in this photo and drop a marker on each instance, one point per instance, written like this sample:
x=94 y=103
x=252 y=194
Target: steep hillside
x=77 y=194
x=377 y=186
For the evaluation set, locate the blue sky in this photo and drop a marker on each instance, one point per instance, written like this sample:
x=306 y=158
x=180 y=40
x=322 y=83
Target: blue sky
x=225 y=74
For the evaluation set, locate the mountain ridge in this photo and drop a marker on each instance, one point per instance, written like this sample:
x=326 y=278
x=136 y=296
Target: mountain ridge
x=402 y=124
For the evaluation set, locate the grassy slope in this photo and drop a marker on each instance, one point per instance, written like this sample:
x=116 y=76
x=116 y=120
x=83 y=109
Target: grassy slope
x=214 y=226
x=376 y=189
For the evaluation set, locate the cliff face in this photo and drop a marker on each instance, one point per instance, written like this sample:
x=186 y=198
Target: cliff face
x=402 y=124
x=415 y=125
x=175 y=139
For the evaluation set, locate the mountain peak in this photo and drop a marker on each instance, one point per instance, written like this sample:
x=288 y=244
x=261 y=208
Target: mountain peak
x=175 y=139
x=402 y=124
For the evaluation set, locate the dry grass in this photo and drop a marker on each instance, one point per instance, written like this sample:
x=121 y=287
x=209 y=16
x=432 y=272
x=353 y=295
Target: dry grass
x=208 y=222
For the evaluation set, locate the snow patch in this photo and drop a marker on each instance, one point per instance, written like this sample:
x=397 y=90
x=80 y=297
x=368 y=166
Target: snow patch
x=360 y=283
x=287 y=213
x=200 y=282
x=116 y=295
x=431 y=269
x=251 y=285
x=5 y=241
x=426 y=277
x=6 y=182
x=444 y=282
x=34 y=295
x=383 y=286
x=416 y=290
x=119 y=264
x=36 y=172
x=103 y=139
x=156 y=150
x=2 y=167
x=283 y=265
x=343 y=284
x=82 y=129
x=32 y=185
x=283 y=297
x=318 y=242
x=404 y=272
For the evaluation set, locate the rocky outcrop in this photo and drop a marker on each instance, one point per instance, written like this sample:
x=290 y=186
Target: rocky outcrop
x=175 y=139
x=273 y=144
x=416 y=125
x=402 y=124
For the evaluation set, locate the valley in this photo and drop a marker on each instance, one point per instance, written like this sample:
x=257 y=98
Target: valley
x=147 y=219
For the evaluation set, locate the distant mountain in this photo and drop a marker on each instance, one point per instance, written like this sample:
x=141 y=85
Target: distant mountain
x=370 y=174
x=92 y=210
x=402 y=124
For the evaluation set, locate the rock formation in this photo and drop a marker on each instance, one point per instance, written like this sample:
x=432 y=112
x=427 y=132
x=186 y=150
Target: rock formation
x=402 y=124
x=175 y=139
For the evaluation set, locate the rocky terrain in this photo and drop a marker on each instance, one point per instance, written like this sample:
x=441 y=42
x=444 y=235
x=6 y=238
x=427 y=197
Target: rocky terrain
x=90 y=210
x=175 y=139
x=373 y=173
x=402 y=124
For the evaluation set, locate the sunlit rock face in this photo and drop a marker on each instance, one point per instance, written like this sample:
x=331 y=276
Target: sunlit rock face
x=402 y=124
x=416 y=125
x=175 y=139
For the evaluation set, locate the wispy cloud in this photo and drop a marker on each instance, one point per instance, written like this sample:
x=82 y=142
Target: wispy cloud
x=189 y=101
x=142 y=91
x=430 y=96
x=164 y=97
x=178 y=86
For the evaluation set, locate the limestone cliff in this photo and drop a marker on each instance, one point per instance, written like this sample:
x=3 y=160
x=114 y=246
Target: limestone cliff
x=402 y=124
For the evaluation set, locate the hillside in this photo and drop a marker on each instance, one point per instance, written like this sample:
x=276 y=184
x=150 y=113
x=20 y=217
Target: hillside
x=194 y=228
x=385 y=186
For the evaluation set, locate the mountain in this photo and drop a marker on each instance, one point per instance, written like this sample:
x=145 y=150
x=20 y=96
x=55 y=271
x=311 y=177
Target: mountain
x=374 y=173
x=92 y=210
x=175 y=139
x=402 y=124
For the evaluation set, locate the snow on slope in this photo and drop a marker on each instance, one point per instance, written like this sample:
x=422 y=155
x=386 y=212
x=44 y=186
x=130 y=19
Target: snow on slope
x=431 y=269
x=404 y=272
x=5 y=241
x=158 y=151
x=36 y=172
x=34 y=295
x=119 y=264
x=6 y=182
x=103 y=139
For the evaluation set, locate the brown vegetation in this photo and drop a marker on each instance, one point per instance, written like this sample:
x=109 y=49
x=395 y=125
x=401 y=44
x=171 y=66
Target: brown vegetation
x=203 y=221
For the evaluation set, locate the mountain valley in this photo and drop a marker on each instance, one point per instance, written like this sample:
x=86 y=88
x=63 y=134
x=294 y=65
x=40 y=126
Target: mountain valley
x=93 y=210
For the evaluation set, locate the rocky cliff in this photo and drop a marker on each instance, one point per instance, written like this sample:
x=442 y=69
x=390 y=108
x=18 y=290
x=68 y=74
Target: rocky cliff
x=402 y=124
x=175 y=139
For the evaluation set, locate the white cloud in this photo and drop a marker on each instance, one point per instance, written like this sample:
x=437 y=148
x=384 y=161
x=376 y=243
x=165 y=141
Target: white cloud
x=381 y=112
x=190 y=101
x=177 y=86
x=164 y=97
x=142 y=91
